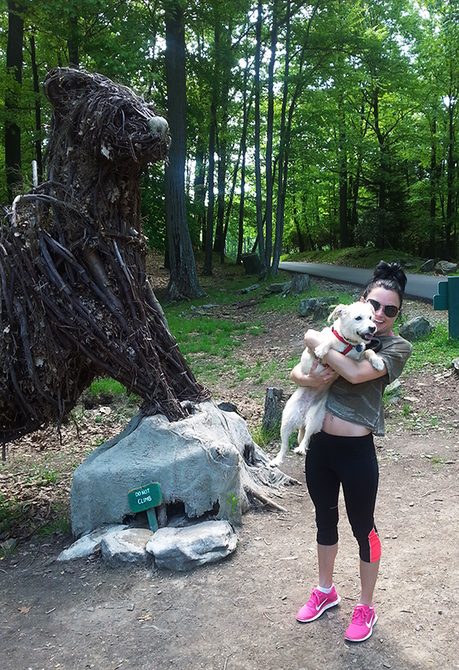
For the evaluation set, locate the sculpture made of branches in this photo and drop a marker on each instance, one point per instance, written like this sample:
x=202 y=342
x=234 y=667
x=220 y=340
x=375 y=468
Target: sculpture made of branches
x=74 y=297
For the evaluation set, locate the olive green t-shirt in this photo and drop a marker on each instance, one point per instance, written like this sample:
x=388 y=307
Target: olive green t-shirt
x=362 y=403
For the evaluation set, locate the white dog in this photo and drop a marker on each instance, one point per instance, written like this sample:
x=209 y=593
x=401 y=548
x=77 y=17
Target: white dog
x=352 y=328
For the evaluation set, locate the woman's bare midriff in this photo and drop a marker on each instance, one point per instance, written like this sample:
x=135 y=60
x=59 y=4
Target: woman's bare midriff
x=336 y=426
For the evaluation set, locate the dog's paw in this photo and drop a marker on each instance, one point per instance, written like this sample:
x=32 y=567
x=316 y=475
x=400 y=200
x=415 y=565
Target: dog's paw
x=321 y=350
x=376 y=361
x=276 y=461
x=300 y=450
x=378 y=364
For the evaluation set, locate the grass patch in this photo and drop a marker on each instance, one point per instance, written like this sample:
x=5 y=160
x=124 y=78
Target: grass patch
x=60 y=524
x=10 y=512
x=356 y=257
x=435 y=351
x=207 y=335
x=107 y=385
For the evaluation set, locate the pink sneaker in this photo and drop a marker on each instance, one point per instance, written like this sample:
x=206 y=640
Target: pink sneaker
x=363 y=620
x=317 y=604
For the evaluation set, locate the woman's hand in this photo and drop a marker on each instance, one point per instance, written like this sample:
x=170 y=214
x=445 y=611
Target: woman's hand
x=314 y=378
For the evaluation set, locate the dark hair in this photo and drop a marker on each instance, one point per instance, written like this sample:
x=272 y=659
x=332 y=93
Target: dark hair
x=389 y=276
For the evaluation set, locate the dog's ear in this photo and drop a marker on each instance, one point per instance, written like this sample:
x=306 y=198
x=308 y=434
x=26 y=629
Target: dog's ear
x=337 y=312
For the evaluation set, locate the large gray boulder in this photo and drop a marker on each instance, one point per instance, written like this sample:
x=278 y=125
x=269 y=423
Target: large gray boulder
x=182 y=549
x=316 y=308
x=415 y=328
x=446 y=268
x=428 y=266
x=125 y=545
x=88 y=544
x=207 y=461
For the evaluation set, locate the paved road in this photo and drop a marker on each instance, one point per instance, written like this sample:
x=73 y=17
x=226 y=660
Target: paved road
x=417 y=286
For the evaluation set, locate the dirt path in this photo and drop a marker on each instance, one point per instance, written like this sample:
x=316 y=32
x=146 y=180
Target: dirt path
x=240 y=614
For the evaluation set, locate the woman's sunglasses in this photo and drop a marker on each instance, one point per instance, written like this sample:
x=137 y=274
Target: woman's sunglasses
x=389 y=310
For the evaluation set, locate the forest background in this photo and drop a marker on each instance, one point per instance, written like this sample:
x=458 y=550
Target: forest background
x=295 y=125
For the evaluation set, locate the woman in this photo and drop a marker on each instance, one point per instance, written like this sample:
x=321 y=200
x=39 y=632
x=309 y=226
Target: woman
x=343 y=452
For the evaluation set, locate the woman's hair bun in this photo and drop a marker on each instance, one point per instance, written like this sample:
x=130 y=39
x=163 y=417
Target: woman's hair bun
x=392 y=272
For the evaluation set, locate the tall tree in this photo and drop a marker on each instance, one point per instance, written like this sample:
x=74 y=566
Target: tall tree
x=257 y=148
x=14 y=48
x=183 y=281
x=73 y=36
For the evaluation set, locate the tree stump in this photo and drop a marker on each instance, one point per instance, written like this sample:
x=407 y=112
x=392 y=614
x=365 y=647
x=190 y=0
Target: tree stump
x=300 y=283
x=274 y=404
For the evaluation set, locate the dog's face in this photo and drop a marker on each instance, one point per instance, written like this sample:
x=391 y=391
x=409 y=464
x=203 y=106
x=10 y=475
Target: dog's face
x=355 y=322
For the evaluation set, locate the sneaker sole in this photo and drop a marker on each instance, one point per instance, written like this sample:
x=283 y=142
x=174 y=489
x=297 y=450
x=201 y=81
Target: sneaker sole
x=319 y=614
x=362 y=639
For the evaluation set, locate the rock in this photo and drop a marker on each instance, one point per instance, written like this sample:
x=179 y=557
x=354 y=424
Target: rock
x=248 y=289
x=8 y=546
x=125 y=546
x=428 y=266
x=279 y=288
x=203 y=462
x=415 y=328
x=183 y=549
x=393 y=392
x=316 y=308
x=228 y=407
x=446 y=268
x=455 y=364
x=87 y=544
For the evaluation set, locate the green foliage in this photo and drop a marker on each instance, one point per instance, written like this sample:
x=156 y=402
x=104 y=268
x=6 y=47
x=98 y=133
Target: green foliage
x=371 y=106
x=206 y=335
x=356 y=257
x=10 y=512
x=435 y=351
x=107 y=385
x=60 y=524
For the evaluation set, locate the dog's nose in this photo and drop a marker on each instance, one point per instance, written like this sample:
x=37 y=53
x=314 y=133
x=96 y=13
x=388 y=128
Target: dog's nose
x=372 y=329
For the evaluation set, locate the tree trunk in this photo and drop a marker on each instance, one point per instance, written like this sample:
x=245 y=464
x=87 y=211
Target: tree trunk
x=229 y=206
x=219 y=243
x=224 y=77
x=308 y=229
x=283 y=160
x=451 y=167
x=433 y=187
x=381 y=207
x=343 y=186
x=200 y=190
x=211 y=196
x=301 y=246
x=183 y=281
x=286 y=130
x=246 y=113
x=269 y=136
x=36 y=89
x=13 y=164
x=73 y=36
x=260 y=231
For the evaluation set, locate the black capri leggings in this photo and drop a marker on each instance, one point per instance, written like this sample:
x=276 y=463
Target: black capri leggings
x=351 y=461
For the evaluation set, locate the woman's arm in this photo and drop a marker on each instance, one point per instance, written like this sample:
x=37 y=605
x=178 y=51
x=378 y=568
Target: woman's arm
x=353 y=371
x=313 y=379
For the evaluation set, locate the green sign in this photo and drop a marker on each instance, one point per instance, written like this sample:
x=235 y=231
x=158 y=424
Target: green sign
x=146 y=498
x=448 y=298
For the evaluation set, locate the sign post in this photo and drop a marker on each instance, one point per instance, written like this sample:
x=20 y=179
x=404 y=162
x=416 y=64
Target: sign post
x=448 y=298
x=146 y=498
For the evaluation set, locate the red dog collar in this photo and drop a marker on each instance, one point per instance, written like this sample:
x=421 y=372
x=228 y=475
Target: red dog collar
x=349 y=346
